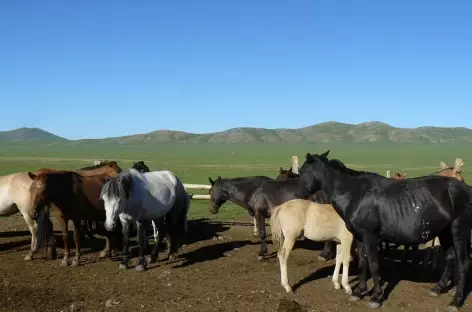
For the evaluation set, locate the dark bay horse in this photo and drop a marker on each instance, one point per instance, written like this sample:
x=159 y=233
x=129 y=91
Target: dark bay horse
x=237 y=190
x=410 y=211
x=73 y=197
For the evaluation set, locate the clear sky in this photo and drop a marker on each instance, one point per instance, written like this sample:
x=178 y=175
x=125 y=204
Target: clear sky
x=87 y=69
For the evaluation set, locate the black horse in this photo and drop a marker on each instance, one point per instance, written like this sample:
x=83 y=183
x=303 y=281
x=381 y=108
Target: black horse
x=410 y=211
x=140 y=166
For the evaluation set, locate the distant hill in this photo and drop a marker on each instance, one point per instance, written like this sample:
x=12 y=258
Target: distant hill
x=28 y=135
x=328 y=132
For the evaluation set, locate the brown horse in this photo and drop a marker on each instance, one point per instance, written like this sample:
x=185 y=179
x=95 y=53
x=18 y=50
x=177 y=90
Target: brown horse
x=73 y=197
x=15 y=196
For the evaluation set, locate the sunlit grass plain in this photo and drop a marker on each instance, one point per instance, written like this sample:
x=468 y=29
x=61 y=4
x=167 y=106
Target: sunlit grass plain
x=195 y=163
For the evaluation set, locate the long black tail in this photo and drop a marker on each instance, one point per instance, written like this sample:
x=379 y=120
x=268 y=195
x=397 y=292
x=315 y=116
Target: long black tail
x=45 y=229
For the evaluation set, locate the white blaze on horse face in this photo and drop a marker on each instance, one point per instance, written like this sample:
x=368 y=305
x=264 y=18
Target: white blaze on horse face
x=111 y=211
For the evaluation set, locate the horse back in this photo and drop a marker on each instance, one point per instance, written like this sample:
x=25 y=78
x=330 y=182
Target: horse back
x=156 y=187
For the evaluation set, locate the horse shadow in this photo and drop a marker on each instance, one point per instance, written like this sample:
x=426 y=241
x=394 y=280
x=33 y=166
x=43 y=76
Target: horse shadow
x=212 y=252
x=14 y=234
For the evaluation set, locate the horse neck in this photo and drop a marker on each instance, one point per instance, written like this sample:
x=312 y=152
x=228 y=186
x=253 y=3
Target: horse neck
x=236 y=192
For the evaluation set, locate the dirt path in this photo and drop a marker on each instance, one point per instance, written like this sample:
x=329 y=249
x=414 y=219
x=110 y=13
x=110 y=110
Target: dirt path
x=212 y=274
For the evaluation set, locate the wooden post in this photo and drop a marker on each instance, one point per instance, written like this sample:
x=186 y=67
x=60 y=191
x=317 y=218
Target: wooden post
x=388 y=173
x=295 y=164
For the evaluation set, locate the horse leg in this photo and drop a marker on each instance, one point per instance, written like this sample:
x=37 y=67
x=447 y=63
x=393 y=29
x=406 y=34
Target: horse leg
x=361 y=289
x=283 y=254
x=33 y=227
x=346 y=258
x=107 y=250
x=337 y=267
x=256 y=232
x=262 y=235
x=76 y=260
x=427 y=253
x=373 y=262
x=441 y=286
x=124 y=259
x=460 y=237
x=142 y=260
x=157 y=238
x=63 y=225
x=329 y=251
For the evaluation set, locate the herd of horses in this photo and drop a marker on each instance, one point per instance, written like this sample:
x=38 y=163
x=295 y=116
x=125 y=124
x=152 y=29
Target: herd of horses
x=356 y=214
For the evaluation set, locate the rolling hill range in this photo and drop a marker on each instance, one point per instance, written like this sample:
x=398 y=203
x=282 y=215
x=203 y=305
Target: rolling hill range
x=329 y=132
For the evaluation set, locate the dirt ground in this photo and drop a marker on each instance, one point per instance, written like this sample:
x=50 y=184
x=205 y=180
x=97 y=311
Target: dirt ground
x=217 y=271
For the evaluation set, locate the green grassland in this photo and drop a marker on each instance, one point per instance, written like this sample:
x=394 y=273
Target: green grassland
x=194 y=163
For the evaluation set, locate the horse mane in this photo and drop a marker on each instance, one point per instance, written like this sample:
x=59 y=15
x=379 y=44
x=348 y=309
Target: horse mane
x=104 y=163
x=342 y=168
x=120 y=186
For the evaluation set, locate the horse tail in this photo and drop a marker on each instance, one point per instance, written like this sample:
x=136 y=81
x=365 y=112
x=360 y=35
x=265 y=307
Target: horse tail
x=276 y=227
x=45 y=228
x=183 y=217
x=176 y=218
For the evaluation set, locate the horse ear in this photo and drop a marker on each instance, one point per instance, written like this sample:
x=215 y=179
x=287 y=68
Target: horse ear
x=324 y=154
x=308 y=156
x=443 y=165
x=32 y=175
x=290 y=170
x=458 y=165
x=219 y=177
x=211 y=181
x=281 y=170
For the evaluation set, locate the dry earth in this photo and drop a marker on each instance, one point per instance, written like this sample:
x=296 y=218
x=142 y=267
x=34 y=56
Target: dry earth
x=217 y=271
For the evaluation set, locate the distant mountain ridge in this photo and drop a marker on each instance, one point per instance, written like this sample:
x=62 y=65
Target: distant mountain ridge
x=328 y=132
x=28 y=135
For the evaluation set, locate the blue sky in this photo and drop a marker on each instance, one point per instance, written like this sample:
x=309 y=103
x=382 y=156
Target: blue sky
x=87 y=69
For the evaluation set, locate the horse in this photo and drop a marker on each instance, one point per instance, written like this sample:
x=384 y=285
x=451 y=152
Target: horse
x=135 y=197
x=432 y=246
x=318 y=222
x=329 y=249
x=15 y=196
x=410 y=211
x=140 y=166
x=237 y=190
x=73 y=197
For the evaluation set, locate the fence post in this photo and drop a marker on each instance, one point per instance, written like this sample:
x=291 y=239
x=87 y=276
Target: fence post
x=295 y=164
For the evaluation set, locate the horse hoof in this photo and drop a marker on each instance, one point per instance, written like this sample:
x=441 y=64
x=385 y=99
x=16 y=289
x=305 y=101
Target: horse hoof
x=373 y=305
x=152 y=260
x=433 y=293
x=452 y=308
x=64 y=263
x=172 y=257
x=102 y=255
x=123 y=266
x=354 y=298
x=75 y=263
x=337 y=287
x=259 y=257
x=322 y=258
x=288 y=290
x=348 y=291
x=140 y=268
x=28 y=258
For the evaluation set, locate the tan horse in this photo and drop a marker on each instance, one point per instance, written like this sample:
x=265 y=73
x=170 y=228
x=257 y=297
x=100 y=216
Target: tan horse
x=318 y=222
x=15 y=196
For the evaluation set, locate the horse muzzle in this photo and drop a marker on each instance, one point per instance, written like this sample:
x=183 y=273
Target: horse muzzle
x=109 y=226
